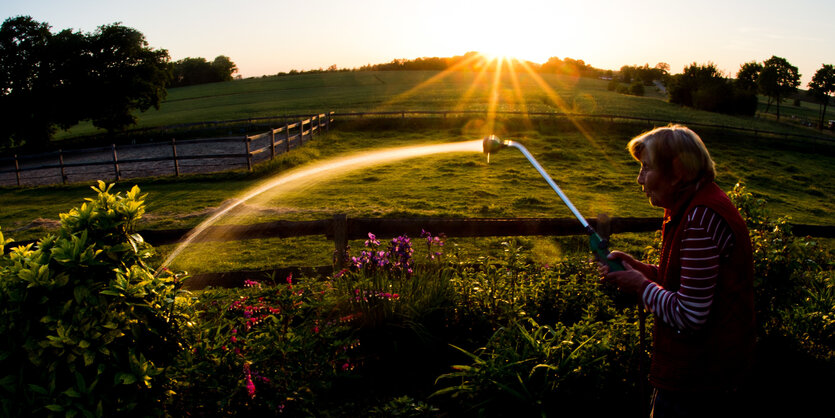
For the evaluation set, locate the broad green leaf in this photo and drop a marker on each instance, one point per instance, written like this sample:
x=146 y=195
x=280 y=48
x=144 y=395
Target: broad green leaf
x=125 y=378
x=37 y=389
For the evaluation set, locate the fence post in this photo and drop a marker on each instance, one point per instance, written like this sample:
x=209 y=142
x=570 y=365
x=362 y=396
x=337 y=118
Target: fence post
x=272 y=143
x=17 y=169
x=340 y=240
x=286 y=137
x=301 y=132
x=61 y=163
x=116 y=163
x=328 y=122
x=176 y=161
x=312 y=128
x=248 y=154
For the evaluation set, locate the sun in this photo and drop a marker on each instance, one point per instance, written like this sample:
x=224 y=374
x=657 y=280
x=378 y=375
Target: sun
x=499 y=48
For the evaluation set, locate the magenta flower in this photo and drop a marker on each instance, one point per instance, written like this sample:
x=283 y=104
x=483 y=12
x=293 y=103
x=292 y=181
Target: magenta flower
x=250 y=386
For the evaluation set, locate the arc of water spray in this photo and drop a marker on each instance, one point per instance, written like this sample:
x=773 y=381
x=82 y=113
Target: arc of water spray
x=324 y=169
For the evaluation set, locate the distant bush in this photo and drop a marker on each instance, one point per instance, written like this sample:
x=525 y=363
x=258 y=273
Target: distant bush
x=636 y=89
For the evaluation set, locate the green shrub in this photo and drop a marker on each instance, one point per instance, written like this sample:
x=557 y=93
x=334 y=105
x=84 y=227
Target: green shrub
x=87 y=328
x=783 y=263
x=794 y=294
x=636 y=89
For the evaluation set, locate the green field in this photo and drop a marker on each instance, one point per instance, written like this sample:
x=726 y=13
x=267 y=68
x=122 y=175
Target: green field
x=419 y=90
x=590 y=164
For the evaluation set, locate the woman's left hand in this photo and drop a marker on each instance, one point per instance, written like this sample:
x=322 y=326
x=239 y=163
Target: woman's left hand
x=628 y=281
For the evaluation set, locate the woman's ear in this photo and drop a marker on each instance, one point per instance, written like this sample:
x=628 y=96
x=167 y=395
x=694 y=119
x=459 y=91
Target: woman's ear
x=679 y=172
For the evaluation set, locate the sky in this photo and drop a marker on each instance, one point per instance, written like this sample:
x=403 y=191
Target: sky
x=264 y=37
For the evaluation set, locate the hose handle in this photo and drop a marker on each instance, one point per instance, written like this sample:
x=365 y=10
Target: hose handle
x=600 y=248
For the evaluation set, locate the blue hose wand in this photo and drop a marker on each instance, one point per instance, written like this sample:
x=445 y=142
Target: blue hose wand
x=597 y=244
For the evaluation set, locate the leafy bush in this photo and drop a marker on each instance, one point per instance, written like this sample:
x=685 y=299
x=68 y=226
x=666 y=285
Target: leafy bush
x=783 y=263
x=794 y=293
x=86 y=326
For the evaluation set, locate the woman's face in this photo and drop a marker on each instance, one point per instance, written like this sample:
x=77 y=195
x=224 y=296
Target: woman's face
x=658 y=187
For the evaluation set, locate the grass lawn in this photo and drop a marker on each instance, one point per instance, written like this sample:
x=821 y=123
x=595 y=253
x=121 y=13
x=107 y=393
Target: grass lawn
x=593 y=169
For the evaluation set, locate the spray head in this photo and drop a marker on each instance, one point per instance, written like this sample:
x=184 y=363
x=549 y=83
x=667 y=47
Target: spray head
x=493 y=144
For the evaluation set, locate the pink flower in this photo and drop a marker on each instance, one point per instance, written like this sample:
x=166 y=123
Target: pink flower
x=234 y=339
x=250 y=386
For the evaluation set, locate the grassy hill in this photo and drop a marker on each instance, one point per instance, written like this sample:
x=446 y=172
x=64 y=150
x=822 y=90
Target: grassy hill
x=418 y=90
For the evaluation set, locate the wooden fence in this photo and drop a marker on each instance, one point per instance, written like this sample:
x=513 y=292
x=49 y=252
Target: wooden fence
x=605 y=117
x=217 y=154
x=340 y=229
x=154 y=159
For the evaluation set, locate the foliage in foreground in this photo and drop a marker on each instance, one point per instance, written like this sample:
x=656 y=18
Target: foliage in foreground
x=86 y=328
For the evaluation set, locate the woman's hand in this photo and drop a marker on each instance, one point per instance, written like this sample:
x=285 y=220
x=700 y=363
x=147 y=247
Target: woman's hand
x=630 y=280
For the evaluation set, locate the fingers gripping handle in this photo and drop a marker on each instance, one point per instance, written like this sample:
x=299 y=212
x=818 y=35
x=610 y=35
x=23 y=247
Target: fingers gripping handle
x=599 y=247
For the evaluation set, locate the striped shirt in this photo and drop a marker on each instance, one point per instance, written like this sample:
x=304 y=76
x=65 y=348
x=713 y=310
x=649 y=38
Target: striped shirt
x=707 y=240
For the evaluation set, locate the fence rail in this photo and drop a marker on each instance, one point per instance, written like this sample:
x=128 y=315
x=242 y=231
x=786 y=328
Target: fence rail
x=340 y=229
x=153 y=159
x=450 y=113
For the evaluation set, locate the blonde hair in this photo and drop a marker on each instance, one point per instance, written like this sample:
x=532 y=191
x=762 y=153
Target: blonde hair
x=660 y=147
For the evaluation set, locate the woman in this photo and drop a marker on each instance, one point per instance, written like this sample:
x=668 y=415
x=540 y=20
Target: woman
x=701 y=292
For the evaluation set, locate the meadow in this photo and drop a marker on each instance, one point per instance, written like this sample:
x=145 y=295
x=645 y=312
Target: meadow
x=426 y=90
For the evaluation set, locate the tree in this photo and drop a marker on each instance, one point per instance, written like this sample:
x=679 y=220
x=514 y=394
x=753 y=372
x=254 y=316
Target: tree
x=224 y=68
x=821 y=88
x=51 y=81
x=23 y=53
x=191 y=71
x=777 y=80
x=705 y=87
x=127 y=75
x=748 y=76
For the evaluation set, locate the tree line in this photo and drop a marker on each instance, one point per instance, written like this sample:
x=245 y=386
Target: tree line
x=51 y=81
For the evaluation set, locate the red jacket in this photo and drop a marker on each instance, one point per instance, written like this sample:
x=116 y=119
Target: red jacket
x=717 y=356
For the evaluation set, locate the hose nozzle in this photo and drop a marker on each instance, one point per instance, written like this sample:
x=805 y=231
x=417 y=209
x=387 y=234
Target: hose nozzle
x=493 y=144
